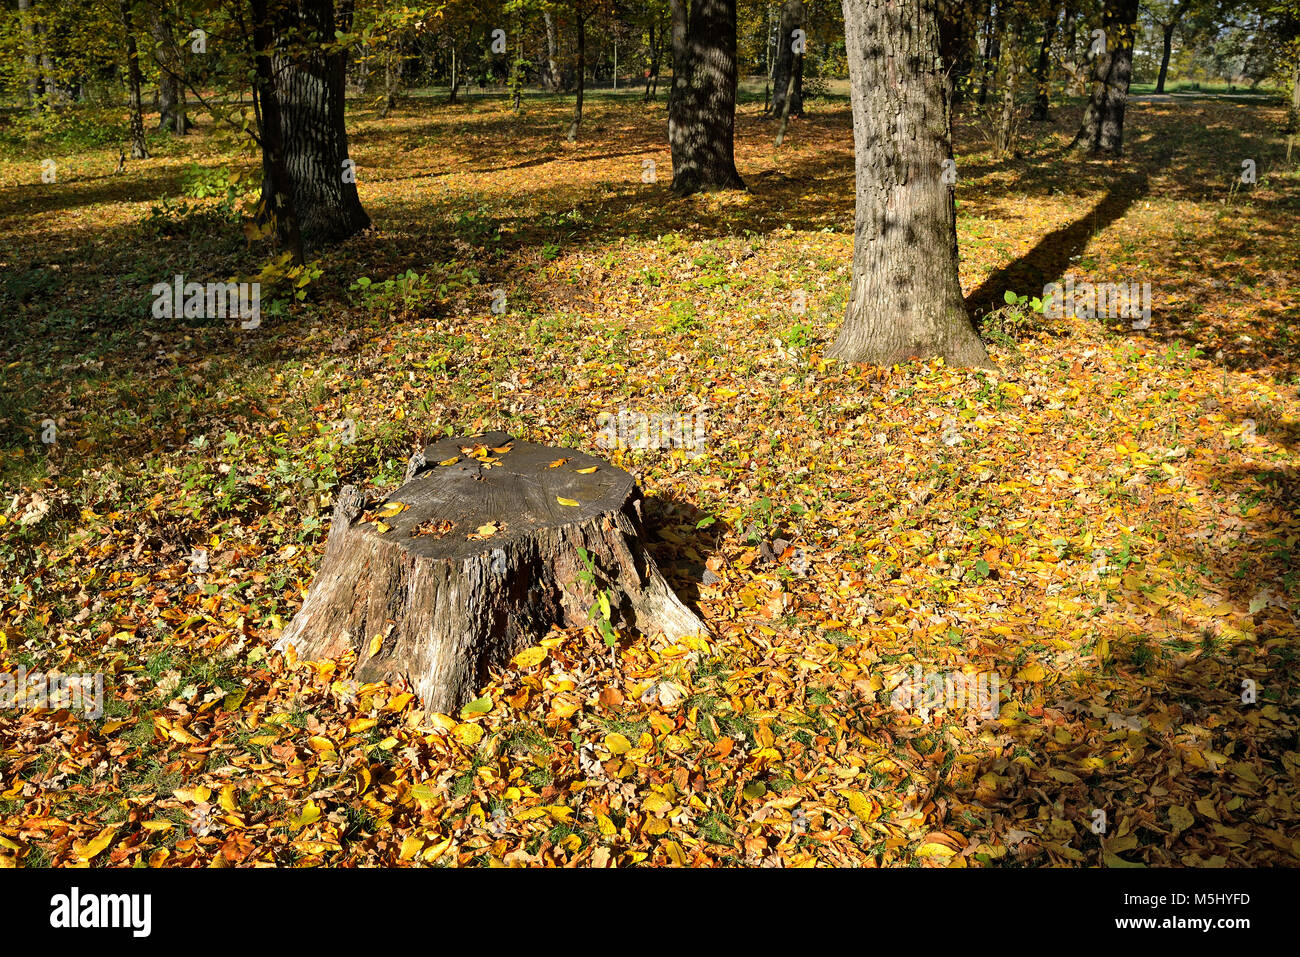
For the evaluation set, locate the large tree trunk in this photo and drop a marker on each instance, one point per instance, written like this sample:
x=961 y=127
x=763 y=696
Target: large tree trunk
x=494 y=546
x=308 y=83
x=278 y=205
x=1042 y=72
x=702 y=104
x=31 y=65
x=582 y=77
x=905 y=300
x=171 y=83
x=552 y=78
x=138 y=148
x=1102 y=130
x=784 y=70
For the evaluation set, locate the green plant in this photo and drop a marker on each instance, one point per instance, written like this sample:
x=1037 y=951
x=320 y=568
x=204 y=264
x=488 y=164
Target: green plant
x=600 y=610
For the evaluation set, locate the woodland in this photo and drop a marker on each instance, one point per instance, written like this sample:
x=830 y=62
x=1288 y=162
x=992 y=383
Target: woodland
x=615 y=433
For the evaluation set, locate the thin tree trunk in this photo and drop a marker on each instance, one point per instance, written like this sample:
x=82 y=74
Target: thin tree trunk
x=992 y=49
x=783 y=71
x=1168 y=49
x=702 y=106
x=1293 y=115
x=787 y=104
x=582 y=77
x=138 y=148
x=553 y=73
x=1102 y=130
x=905 y=300
x=455 y=79
x=31 y=65
x=1042 y=72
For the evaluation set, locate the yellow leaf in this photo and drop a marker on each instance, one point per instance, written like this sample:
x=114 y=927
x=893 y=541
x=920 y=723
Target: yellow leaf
x=617 y=744
x=529 y=657
x=468 y=734
x=376 y=643
x=1032 y=672
x=451 y=461
x=310 y=813
x=557 y=463
x=410 y=846
x=85 y=851
x=587 y=471
x=382 y=526
x=566 y=501
x=392 y=508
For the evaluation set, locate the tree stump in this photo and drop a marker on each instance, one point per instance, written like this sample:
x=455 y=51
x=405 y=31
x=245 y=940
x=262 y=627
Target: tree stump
x=474 y=558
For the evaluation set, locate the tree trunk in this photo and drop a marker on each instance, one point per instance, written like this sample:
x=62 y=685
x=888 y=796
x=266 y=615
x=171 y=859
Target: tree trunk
x=171 y=84
x=956 y=34
x=702 y=103
x=1293 y=115
x=138 y=148
x=905 y=299
x=479 y=565
x=1042 y=72
x=31 y=65
x=455 y=77
x=1168 y=49
x=1102 y=130
x=783 y=71
x=992 y=49
x=308 y=84
x=787 y=104
x=278 y=204
x=582 y=78
x=552 y=80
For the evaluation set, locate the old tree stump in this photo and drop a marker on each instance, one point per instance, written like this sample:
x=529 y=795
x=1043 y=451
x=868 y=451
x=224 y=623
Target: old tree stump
x=474 y=558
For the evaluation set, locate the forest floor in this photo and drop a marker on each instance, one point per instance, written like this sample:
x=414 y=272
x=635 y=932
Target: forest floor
x=1104 y=532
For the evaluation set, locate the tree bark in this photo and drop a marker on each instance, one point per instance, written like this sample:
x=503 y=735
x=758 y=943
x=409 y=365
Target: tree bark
x=138 y=148
x=992 y=48
x=1166 y=52
x=582 y=76
x=702 y=103
x=905 y=300
x=31 y=64
x=784 y=70
x=1293 y=115
x=309 y=94
x=479 y=566
x=1042 y=72
x=787 y=103
x=278 y=204
x=1102 y=129
x=552 y=79
x=171 y=83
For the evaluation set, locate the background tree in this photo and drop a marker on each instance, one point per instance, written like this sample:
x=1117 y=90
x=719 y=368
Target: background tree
x=1102 y=129
x=702 y=104
x=905 y=300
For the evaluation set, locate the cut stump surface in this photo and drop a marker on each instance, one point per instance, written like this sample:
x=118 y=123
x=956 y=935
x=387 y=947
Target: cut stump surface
x=473 y=559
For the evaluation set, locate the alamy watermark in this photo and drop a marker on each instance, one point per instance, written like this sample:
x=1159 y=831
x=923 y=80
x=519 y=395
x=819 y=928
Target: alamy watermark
x=179 y=299
x=654 y=430
x=1103 y=300
x=38 y=690
x=926 y=692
